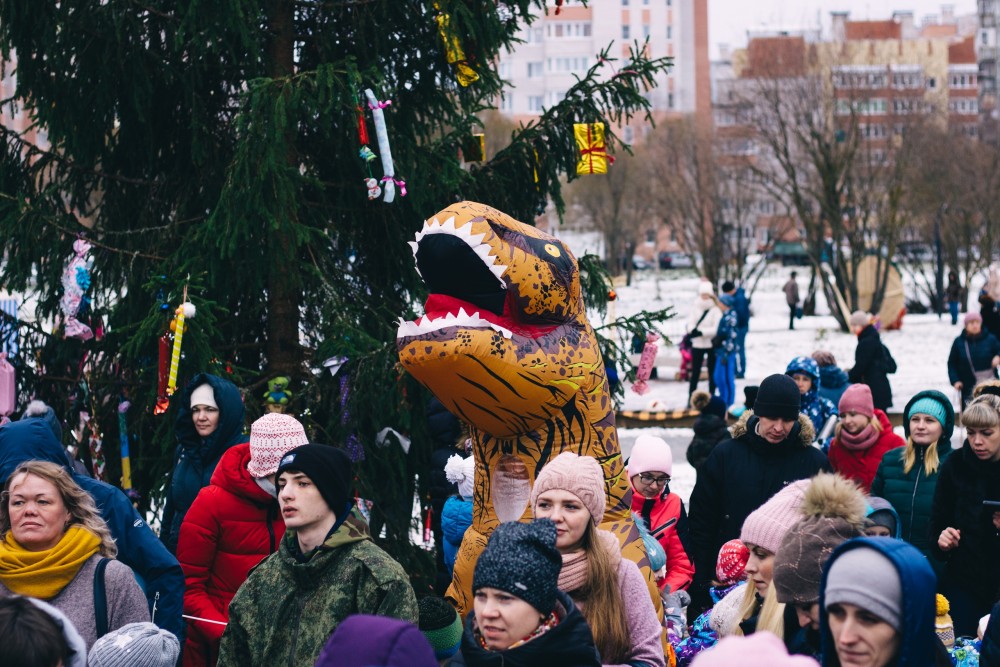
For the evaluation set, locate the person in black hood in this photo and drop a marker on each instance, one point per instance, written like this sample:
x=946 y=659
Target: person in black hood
x=445 y=430
x=964 y=531
x=771 y=447
x=209 y=421
x=872 y=361
x=163 y=580
x=709 y=427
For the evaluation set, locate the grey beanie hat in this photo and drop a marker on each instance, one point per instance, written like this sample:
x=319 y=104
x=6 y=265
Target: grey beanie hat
x=135 y=645
x=866 y=578
x=522 y=559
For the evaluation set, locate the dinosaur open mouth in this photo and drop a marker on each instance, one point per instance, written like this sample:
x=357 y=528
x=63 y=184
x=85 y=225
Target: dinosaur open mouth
x=465 y=279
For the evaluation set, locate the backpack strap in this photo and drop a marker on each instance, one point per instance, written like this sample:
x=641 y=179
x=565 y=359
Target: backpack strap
x=101 y=598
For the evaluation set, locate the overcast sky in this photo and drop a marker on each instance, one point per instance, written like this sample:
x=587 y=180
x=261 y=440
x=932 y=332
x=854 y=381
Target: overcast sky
x=729 y=19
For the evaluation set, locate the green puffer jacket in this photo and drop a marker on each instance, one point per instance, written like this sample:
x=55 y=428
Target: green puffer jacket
x=912 y=494
x=286 y=610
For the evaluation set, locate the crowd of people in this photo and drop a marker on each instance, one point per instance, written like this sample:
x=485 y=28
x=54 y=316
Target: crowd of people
x=816 y=535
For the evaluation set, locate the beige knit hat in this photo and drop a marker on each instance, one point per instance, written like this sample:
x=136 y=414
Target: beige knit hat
x=271 y=437
x=580 y=475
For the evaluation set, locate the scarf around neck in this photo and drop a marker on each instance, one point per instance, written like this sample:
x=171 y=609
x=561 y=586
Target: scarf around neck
x=43 y=574
x=860 y=441
x=573 y=575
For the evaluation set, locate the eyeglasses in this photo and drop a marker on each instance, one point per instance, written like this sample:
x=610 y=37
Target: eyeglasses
x=649 y=479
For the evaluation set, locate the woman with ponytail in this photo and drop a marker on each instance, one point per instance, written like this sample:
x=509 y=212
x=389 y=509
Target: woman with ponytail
x=609 y=590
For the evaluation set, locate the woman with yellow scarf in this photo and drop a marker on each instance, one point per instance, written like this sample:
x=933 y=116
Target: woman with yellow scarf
x=52 y=540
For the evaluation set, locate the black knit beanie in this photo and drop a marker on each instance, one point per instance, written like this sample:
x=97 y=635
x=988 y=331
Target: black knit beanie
x=327 y=467
x=522 y=559
x=777 y=398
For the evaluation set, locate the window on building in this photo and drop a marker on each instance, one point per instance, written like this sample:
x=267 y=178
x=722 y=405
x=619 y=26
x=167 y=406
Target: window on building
x=931 y=82
x=625 y=31
x=534 y=69
x=503 y=69
x=670 y=100
x=507 y=102
x=670 y=31
x=645 y=30
x=624 y=3
x=535 y=103
x=628 y=134
x=650 y=236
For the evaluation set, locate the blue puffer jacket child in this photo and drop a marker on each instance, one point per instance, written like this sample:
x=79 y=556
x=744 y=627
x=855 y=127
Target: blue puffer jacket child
x=456 y=517
x=814 y=406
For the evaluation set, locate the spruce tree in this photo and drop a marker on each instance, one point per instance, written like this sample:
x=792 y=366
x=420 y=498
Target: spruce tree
x=214 y=146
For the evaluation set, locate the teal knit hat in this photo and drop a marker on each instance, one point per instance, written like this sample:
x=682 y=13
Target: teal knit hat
x=441 y=626
x=928 y=406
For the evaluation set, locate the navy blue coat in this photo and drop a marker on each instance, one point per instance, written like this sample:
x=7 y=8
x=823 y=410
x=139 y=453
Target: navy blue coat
x=196 y=457
x=983 y=348
x=919 y=645
x=138 y=547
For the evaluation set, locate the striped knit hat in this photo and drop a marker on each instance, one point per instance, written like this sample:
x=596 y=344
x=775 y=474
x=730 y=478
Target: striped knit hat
x=441 y=626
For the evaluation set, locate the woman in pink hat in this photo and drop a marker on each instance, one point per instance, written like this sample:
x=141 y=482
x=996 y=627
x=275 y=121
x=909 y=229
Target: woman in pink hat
x=649 y=468
x=232 y=525
x=863 y=435
x=609 y=590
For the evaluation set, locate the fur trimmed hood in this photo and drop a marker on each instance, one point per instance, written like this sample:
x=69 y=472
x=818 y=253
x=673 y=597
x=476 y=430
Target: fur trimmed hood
x=806 y=431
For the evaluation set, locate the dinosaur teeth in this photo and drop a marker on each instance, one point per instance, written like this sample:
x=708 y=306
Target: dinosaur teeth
x=474 y=241
x=425 y=325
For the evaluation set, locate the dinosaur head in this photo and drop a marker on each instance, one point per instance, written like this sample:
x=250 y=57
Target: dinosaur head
x=504 y=329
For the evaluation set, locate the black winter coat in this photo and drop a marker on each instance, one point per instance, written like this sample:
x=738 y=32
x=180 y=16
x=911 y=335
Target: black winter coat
x=569 y=644
x=709 y=430
x=982 y=349
x=738 y=477
x=964 y=482
x=871 y=367
x=989 y=655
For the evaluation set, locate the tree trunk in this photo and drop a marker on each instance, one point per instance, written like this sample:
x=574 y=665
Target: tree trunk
x=284 y=353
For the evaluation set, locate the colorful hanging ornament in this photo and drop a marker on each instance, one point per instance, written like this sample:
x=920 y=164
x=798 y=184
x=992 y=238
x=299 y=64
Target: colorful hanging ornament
x=185 y=311
x=277 y=395
x=8 y=387
x=646 y=362
x=474 y=148
x=594 y=159
x=123 y=406
x=373 y=188
x=162 y=399
x=453 y=50
x=389 y=180
x=353 y=445
x=76 y=282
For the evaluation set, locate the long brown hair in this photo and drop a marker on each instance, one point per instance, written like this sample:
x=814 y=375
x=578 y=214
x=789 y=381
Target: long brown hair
x=79 y=504
x=604 y=608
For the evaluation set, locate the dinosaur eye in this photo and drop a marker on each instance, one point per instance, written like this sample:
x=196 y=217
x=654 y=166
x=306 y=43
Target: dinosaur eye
x=552 y=250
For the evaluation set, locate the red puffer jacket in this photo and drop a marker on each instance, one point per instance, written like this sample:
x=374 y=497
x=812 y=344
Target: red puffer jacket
x=861 y=466
x=232 y=525
x=663 y=515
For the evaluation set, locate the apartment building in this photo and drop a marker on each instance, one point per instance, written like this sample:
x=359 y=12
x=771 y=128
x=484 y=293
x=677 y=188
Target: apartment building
x=988 y=60
x=558 y=47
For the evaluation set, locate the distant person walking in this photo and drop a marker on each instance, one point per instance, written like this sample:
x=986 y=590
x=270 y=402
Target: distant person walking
x=741 y=304
x=791 y=290
x=953 y=295
x=702 y=324
x=872 y=361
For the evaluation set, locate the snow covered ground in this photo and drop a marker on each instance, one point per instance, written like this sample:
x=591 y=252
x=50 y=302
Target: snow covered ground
x=920 y=348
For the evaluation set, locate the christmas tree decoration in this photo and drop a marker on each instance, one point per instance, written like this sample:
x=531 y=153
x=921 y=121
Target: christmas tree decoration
x=277 y=395
x=389 y=179
x=453 y=50
x=505 y=342
x=123 y=406
x=76 y=282
x=8 y=387
x=162 y=374
x=183 y=312
x=594 y=159
x=474 y=148
x=646 y=361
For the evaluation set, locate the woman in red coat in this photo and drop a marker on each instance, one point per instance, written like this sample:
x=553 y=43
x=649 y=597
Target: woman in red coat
x=233 y=524
x=649 y=467
x=862 y=436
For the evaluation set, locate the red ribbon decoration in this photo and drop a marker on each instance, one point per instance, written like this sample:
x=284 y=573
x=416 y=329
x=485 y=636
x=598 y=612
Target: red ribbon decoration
x=590 y=152
x=162 y=402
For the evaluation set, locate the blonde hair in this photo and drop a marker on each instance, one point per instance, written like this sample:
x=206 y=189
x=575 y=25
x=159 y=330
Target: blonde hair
x=604 y=609
x=983 y=412
x=909 y=456
x=771 y=614
x=83 y=512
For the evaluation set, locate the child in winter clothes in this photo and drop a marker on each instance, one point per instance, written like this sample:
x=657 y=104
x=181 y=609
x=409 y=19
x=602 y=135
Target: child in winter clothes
x=730 y=574
x=833 y=380
x=709 y=427
x=726 y=352
x=456 y=517
x=649 y=468
x=805 y=372
x=881 y=519
x=862 y=437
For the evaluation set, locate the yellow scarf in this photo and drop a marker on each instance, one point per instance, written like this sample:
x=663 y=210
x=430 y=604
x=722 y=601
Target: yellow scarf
x=43 y=574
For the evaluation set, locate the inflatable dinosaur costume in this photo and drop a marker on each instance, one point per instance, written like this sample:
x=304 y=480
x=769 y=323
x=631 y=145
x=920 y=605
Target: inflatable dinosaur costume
x=505 y=345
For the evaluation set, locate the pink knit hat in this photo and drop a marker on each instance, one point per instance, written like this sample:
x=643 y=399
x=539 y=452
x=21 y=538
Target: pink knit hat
x=580 y=475
x=857 y=398
x=271 y=437
x=732 y=562
x=767 y=524
x=761 y=649
x=650 y=454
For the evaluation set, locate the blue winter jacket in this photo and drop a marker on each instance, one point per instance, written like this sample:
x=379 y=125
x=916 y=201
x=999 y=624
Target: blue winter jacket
x=196 y=457
x=456 y=517
x=727 y=328
x=742 y=307
x=833 y=383
x=817 y=408
x=138 y=547
x=919 y=645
